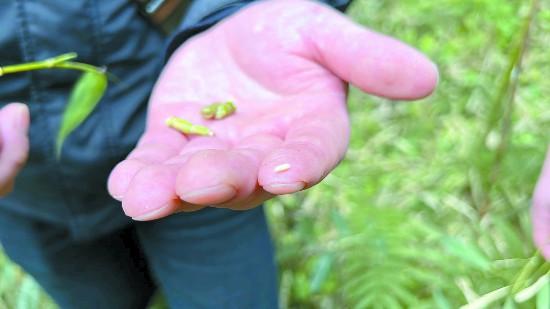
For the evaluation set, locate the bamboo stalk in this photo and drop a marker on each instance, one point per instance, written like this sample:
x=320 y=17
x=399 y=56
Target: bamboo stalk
x=502 y=107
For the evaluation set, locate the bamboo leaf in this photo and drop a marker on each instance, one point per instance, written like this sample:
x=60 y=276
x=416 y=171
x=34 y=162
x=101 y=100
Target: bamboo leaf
x=467 y=252
x=29 y=294
x=514 y=243
x=322 y=269
x=440 y=300
x=85 y=95
x=509 y=304
x=536 y=288
x=526 y=272
x=485 y=300
x=543 y=297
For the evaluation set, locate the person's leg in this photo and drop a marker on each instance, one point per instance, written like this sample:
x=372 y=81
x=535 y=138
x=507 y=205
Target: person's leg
x=213 y=258
x=109 y=272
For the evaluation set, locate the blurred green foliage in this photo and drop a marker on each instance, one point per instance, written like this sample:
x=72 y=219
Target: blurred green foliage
x=430 y=208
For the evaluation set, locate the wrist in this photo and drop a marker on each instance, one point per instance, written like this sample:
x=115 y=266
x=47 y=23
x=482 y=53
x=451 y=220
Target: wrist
x=201 y=16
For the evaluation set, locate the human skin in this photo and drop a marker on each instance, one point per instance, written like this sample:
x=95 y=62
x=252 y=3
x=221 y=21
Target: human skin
x=14 y=143
x=286 y=66
x=541 y=210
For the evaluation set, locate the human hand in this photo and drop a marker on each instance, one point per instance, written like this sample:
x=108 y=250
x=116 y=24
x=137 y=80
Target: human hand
x=14 y=143
x=286 y=65
x=541 y=210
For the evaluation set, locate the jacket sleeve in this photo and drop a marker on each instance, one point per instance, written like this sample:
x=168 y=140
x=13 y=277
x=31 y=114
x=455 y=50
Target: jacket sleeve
x=203 y=14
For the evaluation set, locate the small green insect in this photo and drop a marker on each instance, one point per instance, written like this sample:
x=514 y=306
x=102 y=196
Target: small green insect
x=187 y=127
x=218 y=110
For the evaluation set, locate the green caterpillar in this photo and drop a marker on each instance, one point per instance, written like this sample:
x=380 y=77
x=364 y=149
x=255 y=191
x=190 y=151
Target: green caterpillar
x=187 y=127
x=218 y=110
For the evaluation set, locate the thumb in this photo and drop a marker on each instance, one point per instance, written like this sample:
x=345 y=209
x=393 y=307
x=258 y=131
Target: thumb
x=14 y=143
x=376 y=63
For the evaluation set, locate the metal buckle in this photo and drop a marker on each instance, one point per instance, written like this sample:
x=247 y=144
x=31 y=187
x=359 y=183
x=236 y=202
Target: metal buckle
x=166 y=14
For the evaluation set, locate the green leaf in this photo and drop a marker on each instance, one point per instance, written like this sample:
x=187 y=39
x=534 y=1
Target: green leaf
x=467 y=252
x=440 y=300
x=29 y=294
x=322 y=269
x=85 y=95
x=526 y=272
x=514 y=243
x=543 y=297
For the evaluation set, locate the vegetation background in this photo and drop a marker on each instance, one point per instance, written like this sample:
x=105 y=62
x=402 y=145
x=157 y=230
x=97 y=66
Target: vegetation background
x=430 y=209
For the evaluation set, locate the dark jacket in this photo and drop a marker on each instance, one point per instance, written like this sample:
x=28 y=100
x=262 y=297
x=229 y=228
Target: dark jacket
x=112 y=33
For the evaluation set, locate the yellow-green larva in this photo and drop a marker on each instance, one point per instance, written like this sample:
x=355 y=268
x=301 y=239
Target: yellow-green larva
x=218 y=110
x=187 y=127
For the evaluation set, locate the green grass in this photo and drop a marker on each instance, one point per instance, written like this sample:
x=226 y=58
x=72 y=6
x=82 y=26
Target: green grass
x=430 y=209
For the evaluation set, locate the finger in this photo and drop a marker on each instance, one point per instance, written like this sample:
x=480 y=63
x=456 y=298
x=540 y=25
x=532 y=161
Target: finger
x=215 y=177
x=255 y=199
x=312 y=148
x=14 y=142
x=261 y=144
x=376 y=63
x=155 y=146
x=151 y=192
x=541 y=210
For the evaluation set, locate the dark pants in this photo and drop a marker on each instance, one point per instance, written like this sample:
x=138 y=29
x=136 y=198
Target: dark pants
x=213 y=258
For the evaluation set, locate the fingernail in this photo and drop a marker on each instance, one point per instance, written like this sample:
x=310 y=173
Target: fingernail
x=153 y=214
x=284 y=188
x=214 y=193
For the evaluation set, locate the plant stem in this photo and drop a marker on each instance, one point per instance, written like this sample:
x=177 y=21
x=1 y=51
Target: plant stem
x=509 y=104
x=502 y=106
x=524 y=275
x=79 y=66
x=58 y=62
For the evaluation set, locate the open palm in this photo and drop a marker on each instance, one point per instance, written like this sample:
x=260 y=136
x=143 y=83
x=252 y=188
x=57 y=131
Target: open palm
x=285 y=65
